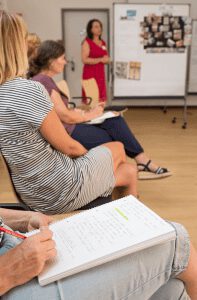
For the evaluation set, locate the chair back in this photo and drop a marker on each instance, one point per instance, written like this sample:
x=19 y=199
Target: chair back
x=91 y=90
x=63 y=87
x=7 y=181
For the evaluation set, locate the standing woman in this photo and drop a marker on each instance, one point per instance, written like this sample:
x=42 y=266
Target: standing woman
x=94 y=57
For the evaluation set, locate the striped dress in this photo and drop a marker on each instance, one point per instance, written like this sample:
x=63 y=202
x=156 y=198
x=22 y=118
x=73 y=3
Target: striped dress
x=46 y=180
x=1 y=233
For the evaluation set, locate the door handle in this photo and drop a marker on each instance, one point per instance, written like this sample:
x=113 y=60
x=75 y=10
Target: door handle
x=72 y=64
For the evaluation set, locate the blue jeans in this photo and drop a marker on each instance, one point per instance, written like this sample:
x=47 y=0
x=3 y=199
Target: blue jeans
x=148 y=274
x=114 y=129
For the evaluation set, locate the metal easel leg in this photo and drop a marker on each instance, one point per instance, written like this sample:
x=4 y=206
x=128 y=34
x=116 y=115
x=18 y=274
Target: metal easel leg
x=184 y=126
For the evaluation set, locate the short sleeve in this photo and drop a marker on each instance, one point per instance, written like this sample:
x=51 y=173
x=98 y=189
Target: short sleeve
x=46 y=81
x=32 y=104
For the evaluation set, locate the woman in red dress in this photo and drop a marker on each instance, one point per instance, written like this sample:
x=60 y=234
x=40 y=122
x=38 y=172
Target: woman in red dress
x=95 y=56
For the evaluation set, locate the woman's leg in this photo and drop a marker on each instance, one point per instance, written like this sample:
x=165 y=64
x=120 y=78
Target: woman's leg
x=138 y=276
x=90 y=136
x=189 y=276
x=174 y=289
x=125 y=173
x=118 y=130
x=114 y=129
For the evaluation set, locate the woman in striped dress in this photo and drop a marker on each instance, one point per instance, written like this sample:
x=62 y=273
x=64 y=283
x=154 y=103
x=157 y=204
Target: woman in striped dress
x=51 y=172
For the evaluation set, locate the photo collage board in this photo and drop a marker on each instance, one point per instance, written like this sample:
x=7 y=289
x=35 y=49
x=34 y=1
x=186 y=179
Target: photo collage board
x=166 y=33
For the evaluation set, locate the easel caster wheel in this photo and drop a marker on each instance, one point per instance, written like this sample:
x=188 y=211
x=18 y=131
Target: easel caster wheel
x=184 y=126
x=174 y=120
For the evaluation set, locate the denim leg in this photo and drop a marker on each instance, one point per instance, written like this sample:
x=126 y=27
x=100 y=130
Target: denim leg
x=133 y=277
x=8 y=242
x=174 y=289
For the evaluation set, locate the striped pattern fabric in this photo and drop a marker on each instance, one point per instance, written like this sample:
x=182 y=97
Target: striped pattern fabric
x=46 y=180
x=1 y=233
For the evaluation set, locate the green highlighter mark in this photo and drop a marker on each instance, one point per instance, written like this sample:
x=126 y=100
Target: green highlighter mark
x=121 y=213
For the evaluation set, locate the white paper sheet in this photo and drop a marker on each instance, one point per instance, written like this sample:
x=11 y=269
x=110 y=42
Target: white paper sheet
x=102 y=234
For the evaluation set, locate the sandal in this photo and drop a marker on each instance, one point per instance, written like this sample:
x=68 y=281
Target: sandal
x=147 y=173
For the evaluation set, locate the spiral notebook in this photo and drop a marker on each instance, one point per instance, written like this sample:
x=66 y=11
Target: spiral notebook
x=102 y=234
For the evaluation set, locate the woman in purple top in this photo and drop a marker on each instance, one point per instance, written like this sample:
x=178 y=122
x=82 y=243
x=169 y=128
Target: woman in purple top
x=50 y=61
x=50 y=86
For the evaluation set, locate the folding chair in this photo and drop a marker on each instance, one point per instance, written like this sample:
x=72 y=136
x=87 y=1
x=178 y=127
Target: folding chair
x=63 y=87
x=15 y=202
x=91 y=90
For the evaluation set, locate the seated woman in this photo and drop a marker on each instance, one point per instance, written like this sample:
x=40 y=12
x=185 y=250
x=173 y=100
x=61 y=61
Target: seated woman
x=142 y=275
x=33 y=42
x=50 y=61
x=51 y=171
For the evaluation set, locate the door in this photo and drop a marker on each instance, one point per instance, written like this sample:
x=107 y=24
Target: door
x=74 y=31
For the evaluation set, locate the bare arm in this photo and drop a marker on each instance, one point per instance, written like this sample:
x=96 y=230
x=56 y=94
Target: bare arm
x=73 y=116
x=54 y=132
x=24 y=220
x=24 y=262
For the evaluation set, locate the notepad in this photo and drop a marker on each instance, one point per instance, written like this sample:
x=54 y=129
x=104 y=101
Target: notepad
x=103 y=234
x=101 y=119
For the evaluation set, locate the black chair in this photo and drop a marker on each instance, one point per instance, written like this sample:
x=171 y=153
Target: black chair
x=15 y=206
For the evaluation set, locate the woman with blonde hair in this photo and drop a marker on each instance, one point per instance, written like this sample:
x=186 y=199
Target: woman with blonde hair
x=33 y=42
x=51 y=172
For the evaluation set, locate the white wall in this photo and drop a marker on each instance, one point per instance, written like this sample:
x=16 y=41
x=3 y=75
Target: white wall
x=44 y=16
x=3 y=4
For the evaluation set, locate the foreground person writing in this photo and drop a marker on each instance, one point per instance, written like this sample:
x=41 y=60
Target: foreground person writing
x=143 y=275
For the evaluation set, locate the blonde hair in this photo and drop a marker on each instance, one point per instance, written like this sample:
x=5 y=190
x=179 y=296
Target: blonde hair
x=13 y=47
x=33 y=42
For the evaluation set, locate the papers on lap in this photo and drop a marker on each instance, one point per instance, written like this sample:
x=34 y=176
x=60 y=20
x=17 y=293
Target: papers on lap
x=103 y=234
x=101 y=119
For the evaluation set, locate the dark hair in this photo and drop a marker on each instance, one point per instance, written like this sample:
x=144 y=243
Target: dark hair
x=47 y=51
x=89 y=28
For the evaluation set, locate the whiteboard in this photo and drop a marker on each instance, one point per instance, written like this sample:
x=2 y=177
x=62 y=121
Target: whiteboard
x=158 y=74
x=193 y=61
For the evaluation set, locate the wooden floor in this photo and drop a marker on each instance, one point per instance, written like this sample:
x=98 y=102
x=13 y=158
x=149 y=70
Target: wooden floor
x=173 y=198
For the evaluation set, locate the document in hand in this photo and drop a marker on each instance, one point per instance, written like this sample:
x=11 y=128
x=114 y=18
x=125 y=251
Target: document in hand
x=102 y=234
x=101 y=119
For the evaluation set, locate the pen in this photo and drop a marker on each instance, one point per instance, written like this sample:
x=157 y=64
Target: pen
x=18 y=235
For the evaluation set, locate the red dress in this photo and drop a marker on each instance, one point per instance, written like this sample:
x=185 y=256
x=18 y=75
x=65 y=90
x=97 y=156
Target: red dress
x=96 y=71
